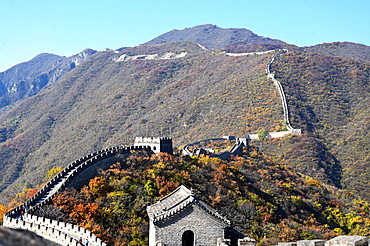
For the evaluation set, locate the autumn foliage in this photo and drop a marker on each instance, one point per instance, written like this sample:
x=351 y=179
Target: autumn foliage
x=264 y=199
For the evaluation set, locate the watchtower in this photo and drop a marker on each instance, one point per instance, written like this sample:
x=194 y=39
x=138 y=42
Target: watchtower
x=157 y=144
x=181 y=218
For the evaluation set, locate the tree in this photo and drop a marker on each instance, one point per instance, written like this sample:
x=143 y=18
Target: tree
x=262 y=134
x=2 y=212
x=52 y=172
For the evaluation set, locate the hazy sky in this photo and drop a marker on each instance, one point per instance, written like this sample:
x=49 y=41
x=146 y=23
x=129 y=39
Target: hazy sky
x=66 y=27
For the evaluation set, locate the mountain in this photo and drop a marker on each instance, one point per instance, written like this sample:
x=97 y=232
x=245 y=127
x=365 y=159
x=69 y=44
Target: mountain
x=181 y=89
x=213 y=37
x=28 y=78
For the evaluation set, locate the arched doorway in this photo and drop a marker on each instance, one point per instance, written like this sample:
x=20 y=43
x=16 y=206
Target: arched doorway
x=188 y=238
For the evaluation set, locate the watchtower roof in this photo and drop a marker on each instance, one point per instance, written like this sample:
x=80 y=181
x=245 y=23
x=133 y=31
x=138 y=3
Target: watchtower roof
x=175 y=202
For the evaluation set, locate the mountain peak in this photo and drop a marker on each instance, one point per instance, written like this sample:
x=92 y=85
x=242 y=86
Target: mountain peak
x=213 y=37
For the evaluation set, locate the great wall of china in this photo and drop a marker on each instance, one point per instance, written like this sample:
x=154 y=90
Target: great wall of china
x=281 y=92
x=80 y=171
x=74 y=175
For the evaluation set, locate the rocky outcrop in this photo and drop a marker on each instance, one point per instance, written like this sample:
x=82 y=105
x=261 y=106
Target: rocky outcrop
x=165 y=56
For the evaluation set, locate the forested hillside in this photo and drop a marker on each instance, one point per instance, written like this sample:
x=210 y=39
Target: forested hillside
x=104 y=103
x=264 y=199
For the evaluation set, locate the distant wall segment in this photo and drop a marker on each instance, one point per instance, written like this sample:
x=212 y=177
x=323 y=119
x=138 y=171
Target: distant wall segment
x=276 y=83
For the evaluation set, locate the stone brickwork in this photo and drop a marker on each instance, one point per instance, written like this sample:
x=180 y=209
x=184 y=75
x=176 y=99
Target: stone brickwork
x=206 y=228
x=59 y=232
x=91 y=171
x=317 y=242
x=344 y=240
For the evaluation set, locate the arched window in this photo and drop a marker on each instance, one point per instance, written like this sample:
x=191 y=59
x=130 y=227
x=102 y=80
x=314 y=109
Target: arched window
x=188 y=238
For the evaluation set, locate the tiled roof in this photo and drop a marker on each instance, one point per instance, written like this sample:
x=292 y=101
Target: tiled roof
x=178 y=200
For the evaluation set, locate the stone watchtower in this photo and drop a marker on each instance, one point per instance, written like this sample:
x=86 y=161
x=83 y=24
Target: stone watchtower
x=159 y=144
x=181 y=219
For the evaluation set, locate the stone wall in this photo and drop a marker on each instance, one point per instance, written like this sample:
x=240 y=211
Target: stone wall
x=91 y=171
x=226 y=154
x=74 y=175
x=59 y=232
x=250 y=53
x=342 y=240
x=281 y=92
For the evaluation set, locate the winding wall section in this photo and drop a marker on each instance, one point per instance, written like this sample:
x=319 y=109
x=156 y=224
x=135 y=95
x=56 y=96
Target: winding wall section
x=71 y=176
x=241 y=142
x=234 y=150
x=281 y=92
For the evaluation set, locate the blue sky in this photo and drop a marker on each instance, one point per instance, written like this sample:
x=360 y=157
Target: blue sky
x=66 y=27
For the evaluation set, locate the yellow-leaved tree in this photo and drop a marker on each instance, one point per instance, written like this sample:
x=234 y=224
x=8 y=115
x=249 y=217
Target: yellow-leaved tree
x=3 y=210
